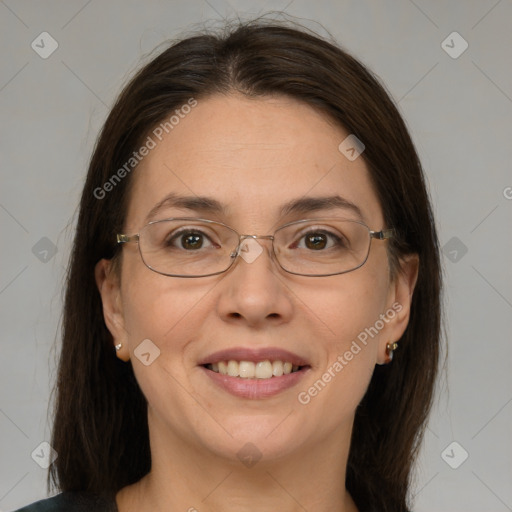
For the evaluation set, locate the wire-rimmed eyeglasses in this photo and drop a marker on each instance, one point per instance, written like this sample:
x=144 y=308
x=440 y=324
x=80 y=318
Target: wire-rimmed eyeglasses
x=192 y=247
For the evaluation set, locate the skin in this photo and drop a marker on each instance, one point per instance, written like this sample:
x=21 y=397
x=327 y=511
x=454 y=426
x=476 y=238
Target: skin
x=252 y=155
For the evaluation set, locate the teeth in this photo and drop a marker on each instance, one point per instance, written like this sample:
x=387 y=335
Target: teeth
x=263 y=370
x=246 y=369
x=249 y=370
x=233 y=369
x=277 y=368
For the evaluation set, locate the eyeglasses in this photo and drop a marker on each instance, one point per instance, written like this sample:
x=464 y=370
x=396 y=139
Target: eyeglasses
x=191 y=247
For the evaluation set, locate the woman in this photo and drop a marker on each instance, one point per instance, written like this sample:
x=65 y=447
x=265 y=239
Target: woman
x=252 y=317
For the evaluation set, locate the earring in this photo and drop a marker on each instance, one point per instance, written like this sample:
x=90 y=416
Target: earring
x=390 y=348
x=118 y=347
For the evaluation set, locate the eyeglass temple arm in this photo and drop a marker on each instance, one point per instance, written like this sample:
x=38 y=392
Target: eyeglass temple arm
x=383 y=234
x=124 y=239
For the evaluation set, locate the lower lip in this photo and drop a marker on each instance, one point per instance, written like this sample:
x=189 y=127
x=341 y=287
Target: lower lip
x=255 y=388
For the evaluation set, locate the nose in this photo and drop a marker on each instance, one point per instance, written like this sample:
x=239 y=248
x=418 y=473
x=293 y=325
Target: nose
x=253 y=291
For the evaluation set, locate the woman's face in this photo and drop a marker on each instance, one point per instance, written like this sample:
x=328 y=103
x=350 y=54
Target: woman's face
x=253 y=156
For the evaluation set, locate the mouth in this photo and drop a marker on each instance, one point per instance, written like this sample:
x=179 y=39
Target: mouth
x=255 y=373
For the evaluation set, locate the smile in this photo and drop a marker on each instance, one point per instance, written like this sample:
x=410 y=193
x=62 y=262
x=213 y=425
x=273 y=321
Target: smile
x=254 y=373
x=253 y=370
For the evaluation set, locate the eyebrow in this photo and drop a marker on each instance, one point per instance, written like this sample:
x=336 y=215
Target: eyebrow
x=304 y=205
x=196 y=203
x=313 y=204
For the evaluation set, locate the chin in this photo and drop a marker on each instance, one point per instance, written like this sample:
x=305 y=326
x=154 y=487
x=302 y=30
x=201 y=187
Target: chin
x=255 y=436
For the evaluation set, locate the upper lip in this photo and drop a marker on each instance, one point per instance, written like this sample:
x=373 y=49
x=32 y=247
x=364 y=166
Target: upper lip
x=254 y=355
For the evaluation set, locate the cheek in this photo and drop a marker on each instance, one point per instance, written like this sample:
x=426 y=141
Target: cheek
x=350 y=308
x=145 y=294
x=349 y=305
x=161 y=309
x=162 y=316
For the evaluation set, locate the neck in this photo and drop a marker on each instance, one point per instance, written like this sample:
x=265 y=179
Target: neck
x=189 y=478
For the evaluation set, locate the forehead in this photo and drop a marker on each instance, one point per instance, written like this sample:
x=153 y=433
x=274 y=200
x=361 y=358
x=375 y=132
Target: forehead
x=252 y=156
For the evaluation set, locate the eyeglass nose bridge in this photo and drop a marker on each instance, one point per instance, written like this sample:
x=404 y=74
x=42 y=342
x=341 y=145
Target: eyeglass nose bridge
x=242 y=238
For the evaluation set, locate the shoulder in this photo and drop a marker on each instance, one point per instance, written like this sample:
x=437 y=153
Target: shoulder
x=72 y=502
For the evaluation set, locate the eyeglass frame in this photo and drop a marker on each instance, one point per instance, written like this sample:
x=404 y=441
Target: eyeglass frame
x=383 y=234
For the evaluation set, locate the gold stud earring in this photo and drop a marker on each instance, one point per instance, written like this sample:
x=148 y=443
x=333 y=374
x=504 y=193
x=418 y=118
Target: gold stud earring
x=390 y=348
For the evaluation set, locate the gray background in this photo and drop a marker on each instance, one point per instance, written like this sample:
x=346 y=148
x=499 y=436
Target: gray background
x=459 y=112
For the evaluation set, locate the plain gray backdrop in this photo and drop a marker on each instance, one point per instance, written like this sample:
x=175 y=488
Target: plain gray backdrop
x=457 y=103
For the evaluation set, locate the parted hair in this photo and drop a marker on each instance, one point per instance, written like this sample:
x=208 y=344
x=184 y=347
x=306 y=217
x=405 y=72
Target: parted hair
x=100 y=428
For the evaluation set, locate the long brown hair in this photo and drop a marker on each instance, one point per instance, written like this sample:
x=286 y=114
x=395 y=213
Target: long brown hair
x=100 y=428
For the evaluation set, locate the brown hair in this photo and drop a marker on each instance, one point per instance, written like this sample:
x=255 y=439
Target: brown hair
x=100 y=428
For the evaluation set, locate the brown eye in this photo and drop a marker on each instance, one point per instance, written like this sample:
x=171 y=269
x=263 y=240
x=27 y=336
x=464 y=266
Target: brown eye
x=192 y=241
x=316 y=241
x=187 y=239
x=320 y=240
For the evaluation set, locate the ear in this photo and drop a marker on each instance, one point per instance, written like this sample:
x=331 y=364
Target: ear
x=399 y=303
x=108 y=285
